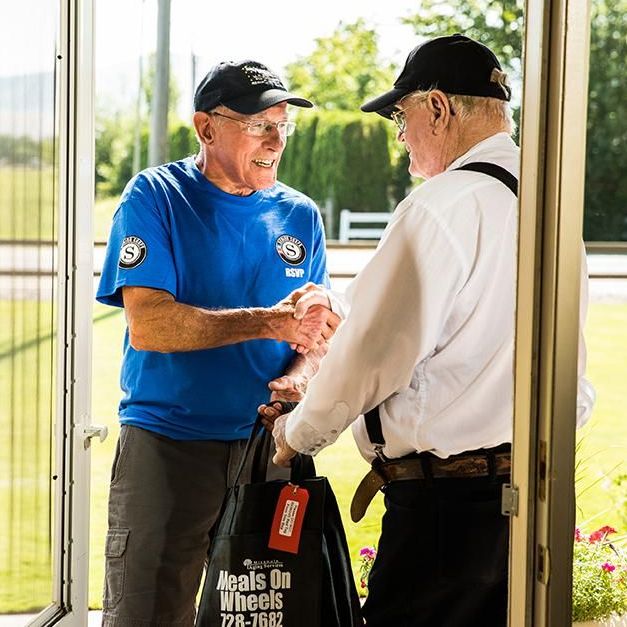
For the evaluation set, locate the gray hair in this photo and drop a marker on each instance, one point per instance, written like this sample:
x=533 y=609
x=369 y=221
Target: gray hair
x=472 y=107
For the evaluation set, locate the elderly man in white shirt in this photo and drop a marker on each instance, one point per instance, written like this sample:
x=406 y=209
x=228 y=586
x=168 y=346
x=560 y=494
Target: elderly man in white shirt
x=423 y=368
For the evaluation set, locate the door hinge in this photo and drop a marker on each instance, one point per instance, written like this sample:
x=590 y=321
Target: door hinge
x=509 y=500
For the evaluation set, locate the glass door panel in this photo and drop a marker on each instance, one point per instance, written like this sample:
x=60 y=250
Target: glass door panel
x=28 y=331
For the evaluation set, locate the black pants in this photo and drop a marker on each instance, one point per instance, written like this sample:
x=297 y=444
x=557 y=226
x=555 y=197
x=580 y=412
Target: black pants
x=442 y=556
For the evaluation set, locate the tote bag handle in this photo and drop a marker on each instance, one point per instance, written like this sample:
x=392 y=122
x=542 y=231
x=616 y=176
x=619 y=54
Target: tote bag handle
x=301 y=467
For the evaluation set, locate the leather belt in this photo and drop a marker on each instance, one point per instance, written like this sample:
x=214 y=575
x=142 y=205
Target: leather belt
x=462 y=466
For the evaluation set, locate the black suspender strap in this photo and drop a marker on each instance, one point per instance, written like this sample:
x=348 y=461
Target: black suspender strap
x=496 y=171
x=375 y=432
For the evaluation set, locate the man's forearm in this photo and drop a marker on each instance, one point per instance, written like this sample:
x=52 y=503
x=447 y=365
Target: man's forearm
x=292 y=385
x=176 y=327
x=157 y=322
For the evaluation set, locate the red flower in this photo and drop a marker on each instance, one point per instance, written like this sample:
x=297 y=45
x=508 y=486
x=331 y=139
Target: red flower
x=608 y=568
x=599 y=534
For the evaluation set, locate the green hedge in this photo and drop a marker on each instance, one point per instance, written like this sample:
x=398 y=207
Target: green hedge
x=342 y=160
x=114 y=153
x=345 y=160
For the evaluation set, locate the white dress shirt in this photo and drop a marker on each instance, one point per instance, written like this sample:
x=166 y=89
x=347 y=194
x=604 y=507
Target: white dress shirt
x=430 y=333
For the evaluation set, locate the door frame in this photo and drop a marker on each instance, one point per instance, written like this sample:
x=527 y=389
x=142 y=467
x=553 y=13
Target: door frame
x=553 y=136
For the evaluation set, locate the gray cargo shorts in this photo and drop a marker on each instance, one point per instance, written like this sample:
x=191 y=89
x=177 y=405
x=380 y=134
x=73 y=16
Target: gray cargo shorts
x=164 y=498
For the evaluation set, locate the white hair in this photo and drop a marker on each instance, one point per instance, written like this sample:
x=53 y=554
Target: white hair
x=467 y=108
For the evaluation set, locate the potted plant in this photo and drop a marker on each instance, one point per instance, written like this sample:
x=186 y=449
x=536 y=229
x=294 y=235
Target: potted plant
x=599 y=580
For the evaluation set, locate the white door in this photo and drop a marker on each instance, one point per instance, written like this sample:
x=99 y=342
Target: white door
x=46 y=172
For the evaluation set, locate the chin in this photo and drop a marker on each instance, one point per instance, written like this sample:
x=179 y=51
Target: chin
x=266 y=182
x=413 y=170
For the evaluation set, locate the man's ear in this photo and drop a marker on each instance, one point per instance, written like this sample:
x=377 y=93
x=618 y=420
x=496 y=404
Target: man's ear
x=440 y=109
x=203 y=127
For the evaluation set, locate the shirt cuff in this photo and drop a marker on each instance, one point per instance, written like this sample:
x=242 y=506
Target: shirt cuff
x=303 y=437
x=338 y=303
x=586 y=397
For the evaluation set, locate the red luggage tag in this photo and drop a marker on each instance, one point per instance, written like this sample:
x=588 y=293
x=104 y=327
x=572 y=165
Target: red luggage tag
x=288 y=518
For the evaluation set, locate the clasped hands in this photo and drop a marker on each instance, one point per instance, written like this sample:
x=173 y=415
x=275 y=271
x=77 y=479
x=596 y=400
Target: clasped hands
x=311 y=307
x=309 y=321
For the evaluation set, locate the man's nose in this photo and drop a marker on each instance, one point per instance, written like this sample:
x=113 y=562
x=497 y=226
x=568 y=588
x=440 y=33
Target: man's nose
x=276 y=137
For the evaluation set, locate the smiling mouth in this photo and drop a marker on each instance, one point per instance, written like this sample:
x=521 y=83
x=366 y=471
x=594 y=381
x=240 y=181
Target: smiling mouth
x=264 y=163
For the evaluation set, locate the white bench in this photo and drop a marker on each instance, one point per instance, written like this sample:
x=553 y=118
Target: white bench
x=348 y=218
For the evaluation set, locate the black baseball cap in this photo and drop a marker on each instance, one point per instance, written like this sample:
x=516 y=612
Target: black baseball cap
x=455 y=64
x=246 y=87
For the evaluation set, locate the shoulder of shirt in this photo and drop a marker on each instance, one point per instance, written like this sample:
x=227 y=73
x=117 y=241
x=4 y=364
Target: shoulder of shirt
x=449 y=188
x=281 y=191
x=150 y=178
x=163 y=171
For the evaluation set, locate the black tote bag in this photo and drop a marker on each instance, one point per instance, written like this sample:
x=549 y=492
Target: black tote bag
x=248 y=584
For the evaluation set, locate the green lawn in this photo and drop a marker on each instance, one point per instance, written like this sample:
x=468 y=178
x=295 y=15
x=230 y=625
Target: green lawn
x=26 y=458
x=602 y=451
x=604 y=438
x=25 y=448
x=27 y=202
x=28 y=205
x=104 y=209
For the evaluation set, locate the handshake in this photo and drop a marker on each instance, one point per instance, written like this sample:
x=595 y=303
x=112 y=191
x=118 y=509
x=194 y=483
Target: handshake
x=308 y=323
x=304 y=318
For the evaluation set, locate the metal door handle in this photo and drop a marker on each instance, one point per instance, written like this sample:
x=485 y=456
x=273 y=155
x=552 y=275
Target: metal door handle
x=90 y=431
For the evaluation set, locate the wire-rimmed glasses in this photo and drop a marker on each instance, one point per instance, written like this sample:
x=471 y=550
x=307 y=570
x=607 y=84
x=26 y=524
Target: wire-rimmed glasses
x=261 y=128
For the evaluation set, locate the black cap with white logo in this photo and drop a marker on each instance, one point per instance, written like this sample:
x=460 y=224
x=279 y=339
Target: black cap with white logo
x=246 y=87
x=455 y=64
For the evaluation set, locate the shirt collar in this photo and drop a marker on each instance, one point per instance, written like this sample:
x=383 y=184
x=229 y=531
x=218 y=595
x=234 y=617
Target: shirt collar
x=488 y=144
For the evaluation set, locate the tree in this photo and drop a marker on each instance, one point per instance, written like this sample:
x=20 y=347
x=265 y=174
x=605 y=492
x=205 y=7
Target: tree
x=499 y=25
x=341 y=159
x=148 y=84
x=606 y=154
x=343 y=71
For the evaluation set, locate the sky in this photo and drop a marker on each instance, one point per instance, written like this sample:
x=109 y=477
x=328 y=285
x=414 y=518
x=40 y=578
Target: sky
x=275 y=33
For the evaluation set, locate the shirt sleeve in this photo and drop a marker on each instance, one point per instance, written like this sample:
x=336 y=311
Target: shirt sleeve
x=339 y=303
x=586 y=394
x=139 y=250
x=399 y=304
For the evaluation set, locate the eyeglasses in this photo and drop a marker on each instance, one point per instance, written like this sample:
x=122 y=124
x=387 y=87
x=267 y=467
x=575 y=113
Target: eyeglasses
x=261 y=128
x=400 y=119
x=399 y=115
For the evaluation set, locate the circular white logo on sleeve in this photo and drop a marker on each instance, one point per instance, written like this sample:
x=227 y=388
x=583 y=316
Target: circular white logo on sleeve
x=132 y=252
x=291 y=250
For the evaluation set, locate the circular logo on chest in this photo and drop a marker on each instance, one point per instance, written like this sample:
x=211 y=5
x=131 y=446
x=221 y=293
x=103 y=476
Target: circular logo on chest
x=291 y=250
x=132 y=252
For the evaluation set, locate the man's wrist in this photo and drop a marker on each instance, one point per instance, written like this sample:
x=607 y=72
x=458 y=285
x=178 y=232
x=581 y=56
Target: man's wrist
x=272 y=320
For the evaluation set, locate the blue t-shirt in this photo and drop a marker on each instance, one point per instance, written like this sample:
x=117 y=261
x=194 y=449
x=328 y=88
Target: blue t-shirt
x=176 y=231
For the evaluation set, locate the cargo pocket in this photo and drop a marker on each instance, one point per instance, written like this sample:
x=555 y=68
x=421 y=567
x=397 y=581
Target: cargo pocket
x=115 y=554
